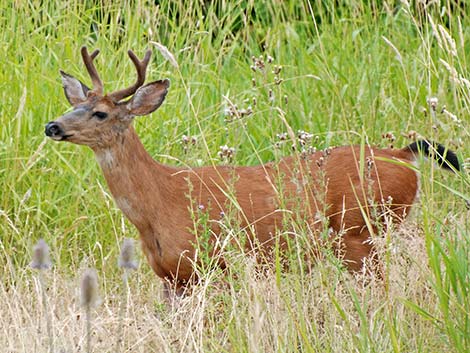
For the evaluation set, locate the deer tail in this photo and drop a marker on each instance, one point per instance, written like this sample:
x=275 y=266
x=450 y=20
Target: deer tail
x=444 y=157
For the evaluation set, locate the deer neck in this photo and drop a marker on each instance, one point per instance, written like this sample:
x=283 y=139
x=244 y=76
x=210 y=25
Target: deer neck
x=134 y=178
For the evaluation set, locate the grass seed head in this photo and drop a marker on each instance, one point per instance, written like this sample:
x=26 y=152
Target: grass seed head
x=390 y=137
x=166 y=54
x=41 y=259
x=226 y=153
x=258 y=63
x=282 y=136
x=127 y=256
x=89 y=288
x=271 y=95
x=412 y=135
x=432 y=101
x=304 y=137
x=278 y=80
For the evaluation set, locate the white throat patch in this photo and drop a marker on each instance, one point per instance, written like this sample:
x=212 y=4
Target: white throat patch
x=105 y=158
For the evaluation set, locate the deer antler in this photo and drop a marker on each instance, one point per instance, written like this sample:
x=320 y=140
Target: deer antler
x=141 y=67
x=95 y=78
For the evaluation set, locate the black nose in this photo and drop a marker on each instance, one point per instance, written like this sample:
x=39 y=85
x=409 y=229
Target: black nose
x=53 y=129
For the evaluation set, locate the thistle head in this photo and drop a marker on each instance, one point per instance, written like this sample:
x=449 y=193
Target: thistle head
x=89 y=288
x=41 y=259
x=127 y=256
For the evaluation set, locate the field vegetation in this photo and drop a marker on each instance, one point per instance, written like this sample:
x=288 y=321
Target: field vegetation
x=243 y=73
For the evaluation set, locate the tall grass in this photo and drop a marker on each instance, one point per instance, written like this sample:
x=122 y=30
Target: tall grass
x=352 y=71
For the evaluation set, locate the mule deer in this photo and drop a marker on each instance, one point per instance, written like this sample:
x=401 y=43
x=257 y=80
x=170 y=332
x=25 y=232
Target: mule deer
x=157 y=198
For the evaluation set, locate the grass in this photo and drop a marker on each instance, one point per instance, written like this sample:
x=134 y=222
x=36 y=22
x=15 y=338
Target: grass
x=351 y=72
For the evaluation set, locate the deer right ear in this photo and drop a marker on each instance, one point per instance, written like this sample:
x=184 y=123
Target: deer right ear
x=148 y=98
x=75 y=90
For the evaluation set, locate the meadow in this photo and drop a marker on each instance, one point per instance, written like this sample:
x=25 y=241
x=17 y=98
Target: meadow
x=243 y=73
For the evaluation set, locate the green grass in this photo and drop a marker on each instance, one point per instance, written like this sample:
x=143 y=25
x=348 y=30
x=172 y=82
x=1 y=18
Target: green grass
x=350 y=71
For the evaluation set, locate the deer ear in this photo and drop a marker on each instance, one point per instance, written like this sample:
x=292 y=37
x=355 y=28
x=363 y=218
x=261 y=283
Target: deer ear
x=148 y=98
x=75 y=90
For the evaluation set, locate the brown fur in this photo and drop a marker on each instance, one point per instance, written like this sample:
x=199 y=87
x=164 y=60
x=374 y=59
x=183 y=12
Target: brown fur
x=158 y=202
x=158 y=199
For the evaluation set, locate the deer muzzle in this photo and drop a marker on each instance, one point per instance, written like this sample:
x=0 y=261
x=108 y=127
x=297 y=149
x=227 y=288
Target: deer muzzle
x=55 y=131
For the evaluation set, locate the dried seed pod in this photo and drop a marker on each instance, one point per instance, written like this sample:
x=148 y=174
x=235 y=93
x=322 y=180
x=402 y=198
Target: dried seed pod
x=271 y=95
x=41 y=259
x=226 y=152
x=277 y=80
x=127 y=255
x=412 y=134
x=320 y=162
x=389 y=136
x=432 y=101
x=89 y=288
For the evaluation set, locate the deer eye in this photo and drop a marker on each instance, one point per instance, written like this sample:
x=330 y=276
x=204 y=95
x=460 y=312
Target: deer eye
x=100 y=115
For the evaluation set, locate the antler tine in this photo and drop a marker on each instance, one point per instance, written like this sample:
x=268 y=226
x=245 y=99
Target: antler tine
x=94 y=54
x=141 y=67
x=95 y=78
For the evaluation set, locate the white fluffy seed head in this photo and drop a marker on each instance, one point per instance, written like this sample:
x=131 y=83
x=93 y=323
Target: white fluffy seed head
x=127 y=256
x=89 y=288
x=166 y=53
x=41 y=259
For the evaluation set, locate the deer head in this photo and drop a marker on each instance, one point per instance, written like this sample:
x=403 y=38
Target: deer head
x=97 y=120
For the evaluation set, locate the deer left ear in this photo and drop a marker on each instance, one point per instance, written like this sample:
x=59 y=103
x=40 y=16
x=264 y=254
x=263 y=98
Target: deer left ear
x=148 y=98
x=75 y=90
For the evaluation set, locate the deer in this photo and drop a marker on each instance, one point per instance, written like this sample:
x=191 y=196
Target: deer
x=158 y=199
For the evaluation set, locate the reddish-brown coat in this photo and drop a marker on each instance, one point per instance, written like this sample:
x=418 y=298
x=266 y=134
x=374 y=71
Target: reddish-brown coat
x=156 y=198
x=159 y=200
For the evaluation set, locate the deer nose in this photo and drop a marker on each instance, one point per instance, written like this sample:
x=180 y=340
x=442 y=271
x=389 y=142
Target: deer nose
x=53 y=129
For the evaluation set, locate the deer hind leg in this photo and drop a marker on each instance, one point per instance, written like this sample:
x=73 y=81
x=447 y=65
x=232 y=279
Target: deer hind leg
x=355 y=248
x=357 y=245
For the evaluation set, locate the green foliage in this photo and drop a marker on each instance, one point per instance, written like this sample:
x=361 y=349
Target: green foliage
x=351 y=72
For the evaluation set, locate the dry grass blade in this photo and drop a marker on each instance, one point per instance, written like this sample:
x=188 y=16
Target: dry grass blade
x=340 y=74
x=166 y=53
